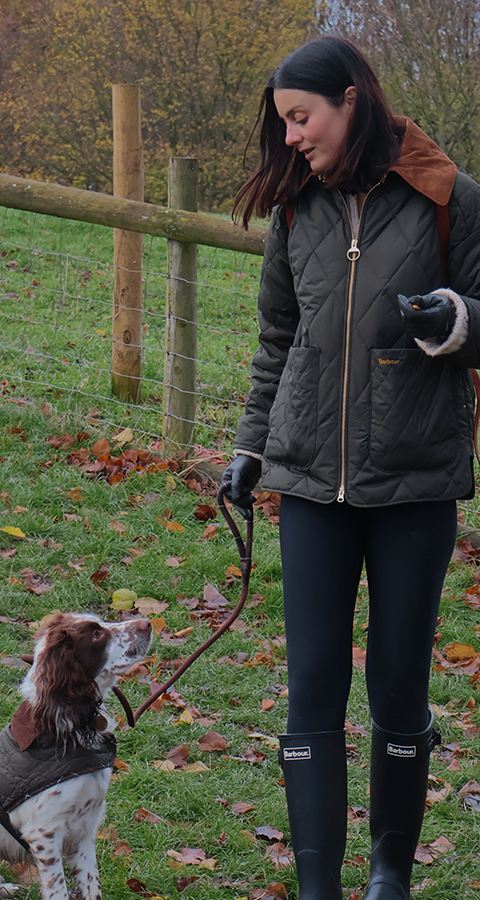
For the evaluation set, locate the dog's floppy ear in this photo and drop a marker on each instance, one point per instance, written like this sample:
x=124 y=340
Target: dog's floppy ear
x=67 y=698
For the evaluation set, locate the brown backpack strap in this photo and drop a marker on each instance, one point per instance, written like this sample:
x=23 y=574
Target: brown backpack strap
x=476 y=385
x=289 y=212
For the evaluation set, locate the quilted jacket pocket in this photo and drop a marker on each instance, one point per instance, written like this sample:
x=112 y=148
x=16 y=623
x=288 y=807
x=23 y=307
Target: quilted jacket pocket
x=293 y=418
x=415 y=410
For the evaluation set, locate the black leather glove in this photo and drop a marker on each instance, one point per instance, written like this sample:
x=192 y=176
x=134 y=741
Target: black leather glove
x=240 y=477
x=427 y=316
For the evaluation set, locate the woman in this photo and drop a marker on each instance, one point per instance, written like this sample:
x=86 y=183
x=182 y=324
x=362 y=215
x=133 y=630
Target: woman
x=361 y=415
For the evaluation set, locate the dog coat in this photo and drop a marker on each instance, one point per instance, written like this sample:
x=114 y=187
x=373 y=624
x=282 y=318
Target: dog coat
x=30 y=764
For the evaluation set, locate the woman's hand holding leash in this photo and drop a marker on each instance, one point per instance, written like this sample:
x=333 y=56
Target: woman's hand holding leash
x=238 y=481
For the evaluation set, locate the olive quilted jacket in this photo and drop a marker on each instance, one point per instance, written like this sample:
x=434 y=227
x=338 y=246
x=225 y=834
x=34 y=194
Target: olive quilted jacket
x=344 y=403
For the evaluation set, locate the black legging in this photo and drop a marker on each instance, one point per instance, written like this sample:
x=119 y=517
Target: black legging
x=407 y=548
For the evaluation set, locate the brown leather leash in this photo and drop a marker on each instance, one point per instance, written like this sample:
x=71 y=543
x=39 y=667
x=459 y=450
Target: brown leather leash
x=245 y=551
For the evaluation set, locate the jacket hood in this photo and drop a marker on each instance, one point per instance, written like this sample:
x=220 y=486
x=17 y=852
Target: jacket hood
x=423 y=165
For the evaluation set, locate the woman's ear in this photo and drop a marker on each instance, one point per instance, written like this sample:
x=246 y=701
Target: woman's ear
x=350 y=98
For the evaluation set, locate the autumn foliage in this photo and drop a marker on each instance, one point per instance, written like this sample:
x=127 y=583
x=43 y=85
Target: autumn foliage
x=201 y=67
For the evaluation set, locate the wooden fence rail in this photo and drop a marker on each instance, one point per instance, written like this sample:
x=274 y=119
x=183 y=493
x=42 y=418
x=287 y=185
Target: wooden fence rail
x=131 y=215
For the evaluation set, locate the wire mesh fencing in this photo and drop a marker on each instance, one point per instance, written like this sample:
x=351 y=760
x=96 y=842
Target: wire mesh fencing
x=56 y=288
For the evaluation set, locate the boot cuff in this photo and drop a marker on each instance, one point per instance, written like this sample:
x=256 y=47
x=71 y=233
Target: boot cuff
x=308 y=735
x=310 y=745
x=405 y=746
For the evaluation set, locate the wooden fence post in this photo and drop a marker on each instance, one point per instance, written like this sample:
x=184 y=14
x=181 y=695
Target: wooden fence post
x=181 y=316
x=128 y=180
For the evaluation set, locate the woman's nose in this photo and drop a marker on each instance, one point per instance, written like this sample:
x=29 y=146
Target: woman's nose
x=292 y=135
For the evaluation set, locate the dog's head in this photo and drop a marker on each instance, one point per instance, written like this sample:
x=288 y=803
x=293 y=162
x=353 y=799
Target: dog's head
x=77 y=659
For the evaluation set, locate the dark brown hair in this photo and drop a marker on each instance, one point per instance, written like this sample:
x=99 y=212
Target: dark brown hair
x=326 y=66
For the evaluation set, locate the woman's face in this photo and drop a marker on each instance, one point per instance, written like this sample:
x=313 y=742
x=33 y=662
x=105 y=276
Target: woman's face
x=314 y=126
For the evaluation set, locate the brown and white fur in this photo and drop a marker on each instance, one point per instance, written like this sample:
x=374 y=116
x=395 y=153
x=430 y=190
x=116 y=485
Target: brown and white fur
x=78 y=658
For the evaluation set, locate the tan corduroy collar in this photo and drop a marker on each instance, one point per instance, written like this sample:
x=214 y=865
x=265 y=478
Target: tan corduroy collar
x=423 y=165
x=22 y=728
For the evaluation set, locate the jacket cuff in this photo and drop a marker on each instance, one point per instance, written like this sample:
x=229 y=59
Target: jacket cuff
x=458 y=334
x=248 y=453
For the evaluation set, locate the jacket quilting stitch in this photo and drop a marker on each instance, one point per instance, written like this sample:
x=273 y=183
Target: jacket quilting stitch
x=28 y=772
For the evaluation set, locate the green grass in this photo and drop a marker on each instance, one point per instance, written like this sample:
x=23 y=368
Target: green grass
x=62 y=318
x=56 y=289
x=229 y=695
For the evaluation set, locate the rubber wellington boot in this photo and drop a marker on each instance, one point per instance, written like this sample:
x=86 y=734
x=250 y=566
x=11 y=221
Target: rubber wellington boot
x=398 y=786
x=314 y=768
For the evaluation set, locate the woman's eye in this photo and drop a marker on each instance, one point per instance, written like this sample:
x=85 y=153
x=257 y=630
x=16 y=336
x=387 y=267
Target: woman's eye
x=301 y=121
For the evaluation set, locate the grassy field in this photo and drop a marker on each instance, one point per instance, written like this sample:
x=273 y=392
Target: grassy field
x=143 y=530
x=73 y=523
x=56 y=288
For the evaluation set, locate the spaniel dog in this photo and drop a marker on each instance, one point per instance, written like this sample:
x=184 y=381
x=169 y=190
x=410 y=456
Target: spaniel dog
x=56 y=756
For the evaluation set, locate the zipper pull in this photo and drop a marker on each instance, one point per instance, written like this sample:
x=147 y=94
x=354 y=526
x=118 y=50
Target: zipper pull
x=353 y=251
x=341 y=494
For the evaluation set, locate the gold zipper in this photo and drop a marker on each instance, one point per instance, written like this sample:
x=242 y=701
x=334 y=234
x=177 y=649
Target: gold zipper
x=353 y=254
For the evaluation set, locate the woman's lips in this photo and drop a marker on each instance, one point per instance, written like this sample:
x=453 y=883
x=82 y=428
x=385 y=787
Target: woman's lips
x=308 y=153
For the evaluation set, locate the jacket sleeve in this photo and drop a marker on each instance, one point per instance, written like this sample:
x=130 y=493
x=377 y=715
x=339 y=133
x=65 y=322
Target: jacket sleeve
x=463 y=264
x=278 y=316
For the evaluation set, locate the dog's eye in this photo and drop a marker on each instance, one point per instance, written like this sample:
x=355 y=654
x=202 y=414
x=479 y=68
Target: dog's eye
x=97 y=635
